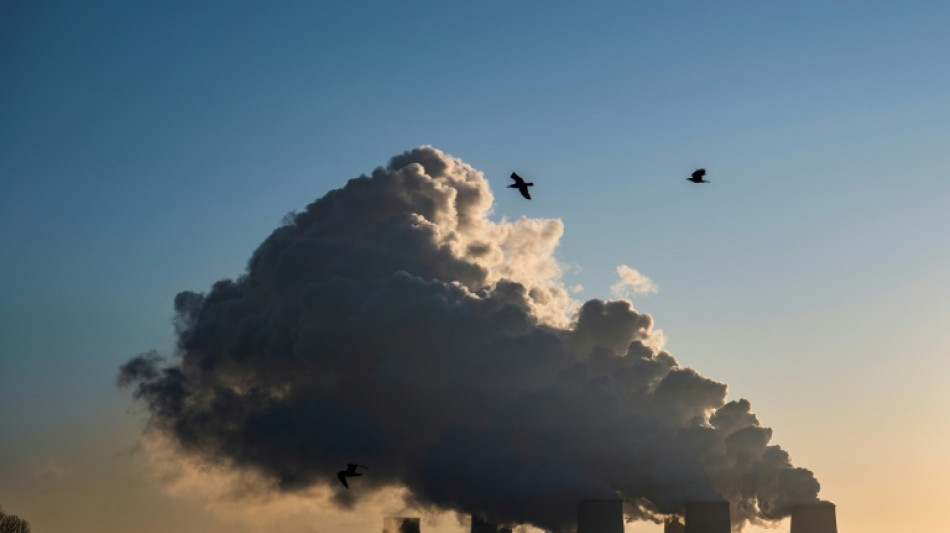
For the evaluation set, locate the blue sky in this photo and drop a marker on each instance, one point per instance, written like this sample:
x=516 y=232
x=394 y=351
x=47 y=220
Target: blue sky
x=148 y=148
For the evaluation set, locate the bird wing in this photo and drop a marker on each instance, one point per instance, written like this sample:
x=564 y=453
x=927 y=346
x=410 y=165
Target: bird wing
x=517 y=178
x=524 y=191
x=341 y=475
x=354 y=466
x=698 y=174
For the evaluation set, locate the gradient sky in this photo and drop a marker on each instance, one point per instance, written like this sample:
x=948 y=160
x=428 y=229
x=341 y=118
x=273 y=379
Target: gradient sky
x=148 y=148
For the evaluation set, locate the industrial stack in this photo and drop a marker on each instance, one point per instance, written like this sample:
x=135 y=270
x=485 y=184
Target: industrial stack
x=400 y=524
x=814 y=518
x=600 y=516
x=606 y=516
x=707 y=517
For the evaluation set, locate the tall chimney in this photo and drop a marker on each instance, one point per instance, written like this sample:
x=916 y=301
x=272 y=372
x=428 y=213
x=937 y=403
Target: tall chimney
x=814 y=518
x=673 y=525
x=707 y=517
x=400 y=524
x=600 y=516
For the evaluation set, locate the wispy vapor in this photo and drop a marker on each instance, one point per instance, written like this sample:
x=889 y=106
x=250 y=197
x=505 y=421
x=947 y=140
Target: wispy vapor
x=631 y=282
x=393 y=324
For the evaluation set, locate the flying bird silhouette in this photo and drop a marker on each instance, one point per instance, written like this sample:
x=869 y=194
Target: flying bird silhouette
x=698 y=176
x=521 y=185
x=349 y=472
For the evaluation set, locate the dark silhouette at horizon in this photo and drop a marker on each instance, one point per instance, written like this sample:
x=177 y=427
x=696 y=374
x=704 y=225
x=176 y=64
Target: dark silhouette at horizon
x=13 y=524
x=817 y=517
x=697 y=176
x=349 y=472
x=521 y=185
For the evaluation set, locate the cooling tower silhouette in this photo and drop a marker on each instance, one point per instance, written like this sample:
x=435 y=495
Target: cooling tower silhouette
x=814 y=518
x=673 y=525
x=600 y=516
x=707 y=517
x=400 y=524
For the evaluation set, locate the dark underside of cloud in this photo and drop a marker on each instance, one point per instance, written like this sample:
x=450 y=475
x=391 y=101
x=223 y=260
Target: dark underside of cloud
x=393 y=324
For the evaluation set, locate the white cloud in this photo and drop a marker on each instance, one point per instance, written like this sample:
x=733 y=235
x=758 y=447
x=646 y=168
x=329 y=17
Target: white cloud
x=632 y=282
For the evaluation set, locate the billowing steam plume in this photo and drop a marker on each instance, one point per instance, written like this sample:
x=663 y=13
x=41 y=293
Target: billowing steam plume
x=393 y=324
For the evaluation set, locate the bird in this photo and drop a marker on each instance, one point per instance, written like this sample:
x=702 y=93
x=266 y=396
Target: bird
x=698 y=176
x=349 y=472
x=521 y=185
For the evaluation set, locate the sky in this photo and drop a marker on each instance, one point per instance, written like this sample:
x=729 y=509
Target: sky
x=147 y=149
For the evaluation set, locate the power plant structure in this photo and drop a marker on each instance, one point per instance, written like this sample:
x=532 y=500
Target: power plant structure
x=606 y=516
x=814 y=518
x=707 y=517
x=600 y=516
x=400 y=524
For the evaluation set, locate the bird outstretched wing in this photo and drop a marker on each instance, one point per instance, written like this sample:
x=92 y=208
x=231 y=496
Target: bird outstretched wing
x=341 y=475
x=517 y=178
x=524 y=191
x=698 y=174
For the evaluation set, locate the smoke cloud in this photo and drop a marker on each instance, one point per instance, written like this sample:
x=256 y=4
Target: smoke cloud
x=393 y=324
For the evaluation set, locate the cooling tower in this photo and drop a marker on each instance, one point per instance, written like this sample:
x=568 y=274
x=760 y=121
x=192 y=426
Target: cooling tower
x=673 y=525
x=600 y=516
x=707 y=517
x=399 y=524
x=814 y=518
